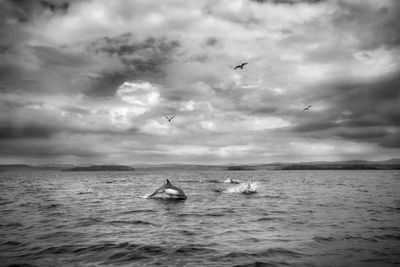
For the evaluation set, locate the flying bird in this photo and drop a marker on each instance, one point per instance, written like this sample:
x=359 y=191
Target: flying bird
x=307 y=108
x=169 y=118
x=240 y=66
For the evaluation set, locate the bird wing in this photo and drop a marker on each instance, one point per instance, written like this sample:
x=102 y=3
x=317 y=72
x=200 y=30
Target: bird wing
x=172 y=117
x=236 y=67
x=244 y=64
x=165 y=117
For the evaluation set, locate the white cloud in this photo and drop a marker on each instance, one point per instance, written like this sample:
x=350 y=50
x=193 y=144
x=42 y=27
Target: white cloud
x=140 y=95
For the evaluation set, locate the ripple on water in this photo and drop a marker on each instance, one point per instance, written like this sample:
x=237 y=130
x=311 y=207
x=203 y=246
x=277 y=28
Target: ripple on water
x=137 y=211
x=324 y=219
x=271 y=252
x=132 y=222
x=88 y=221
x=323 y=239
x=269 y=219
x=21 y=265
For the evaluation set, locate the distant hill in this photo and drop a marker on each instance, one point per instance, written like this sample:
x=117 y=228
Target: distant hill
x=8 y=167
x=101 y=168
x=392 y=164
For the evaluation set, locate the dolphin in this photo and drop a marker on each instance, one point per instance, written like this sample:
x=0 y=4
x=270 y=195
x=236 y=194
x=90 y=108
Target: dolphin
x=230 y=181
x=170 y=190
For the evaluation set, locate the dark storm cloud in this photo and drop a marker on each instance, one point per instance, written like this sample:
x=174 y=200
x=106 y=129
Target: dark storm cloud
x=390 y=141
x=47 y=149
x=363 y=133
x=357 y=111
x=25 y=10
x=52 y=57
x=21 y=10
x=381 y=136
x=312 y=126
x=371 y=24
x=26 y=131
x=376 y=99
x=141 y=60
x=201 y=58
x=289 y=2
x=264 y=110
x=42 y=69
x=106 y=84
x=126 y=45
x=54 y=7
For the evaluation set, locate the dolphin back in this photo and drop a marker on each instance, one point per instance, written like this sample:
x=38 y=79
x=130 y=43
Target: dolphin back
x=170 y=190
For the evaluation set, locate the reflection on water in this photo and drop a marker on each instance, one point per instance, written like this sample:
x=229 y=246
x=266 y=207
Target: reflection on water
x=300 y=218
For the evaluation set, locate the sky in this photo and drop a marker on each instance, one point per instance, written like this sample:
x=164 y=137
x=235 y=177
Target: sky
x=85 y=82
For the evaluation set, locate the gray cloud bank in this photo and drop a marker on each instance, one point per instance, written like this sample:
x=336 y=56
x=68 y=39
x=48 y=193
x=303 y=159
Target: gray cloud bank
x=87 y=81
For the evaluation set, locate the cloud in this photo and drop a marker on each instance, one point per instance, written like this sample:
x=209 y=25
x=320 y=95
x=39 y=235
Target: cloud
x=140 y=95
x=95 y=77
x=26 y=131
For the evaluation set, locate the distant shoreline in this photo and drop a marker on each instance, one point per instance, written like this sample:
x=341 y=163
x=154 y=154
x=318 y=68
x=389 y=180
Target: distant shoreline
x=393 y=164
x=101 y=168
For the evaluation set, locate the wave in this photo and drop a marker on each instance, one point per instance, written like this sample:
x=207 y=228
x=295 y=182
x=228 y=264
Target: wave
x=60 y=234
x=191 y=249
x=21 y=265
x=142 y=252
x=271 y=252
x=104 y=247
x=88 y=221
x=134 y=252
x=213 y=181
x=206 y=214
x=51 y=206
x=277 y=197
x=6 y=202
x=12 y=243
x=135 y=222
x=270 y=219
x=187 y=233
x=15 y=224
x=388 y=237
x=84 y=193
x=323 y=239
x=258 y=264
x=136 y=211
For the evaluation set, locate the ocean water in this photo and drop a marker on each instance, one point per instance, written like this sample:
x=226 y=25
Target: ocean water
x=296 y=218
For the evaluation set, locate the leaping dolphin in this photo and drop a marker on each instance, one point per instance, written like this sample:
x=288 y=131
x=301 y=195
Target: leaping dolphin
x=170 y=190
x=230 y=181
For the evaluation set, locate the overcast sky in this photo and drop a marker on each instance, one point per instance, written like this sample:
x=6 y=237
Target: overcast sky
x=88 y=81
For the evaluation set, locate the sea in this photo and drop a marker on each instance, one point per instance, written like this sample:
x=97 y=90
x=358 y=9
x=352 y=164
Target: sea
x=295 y=218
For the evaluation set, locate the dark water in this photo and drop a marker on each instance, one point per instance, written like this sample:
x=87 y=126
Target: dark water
x=297 y=218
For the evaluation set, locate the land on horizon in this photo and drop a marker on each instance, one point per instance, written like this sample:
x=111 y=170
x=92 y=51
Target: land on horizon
x=319 y=165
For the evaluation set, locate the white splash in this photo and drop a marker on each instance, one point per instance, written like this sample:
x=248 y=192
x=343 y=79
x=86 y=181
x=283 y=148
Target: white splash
x=245 y=187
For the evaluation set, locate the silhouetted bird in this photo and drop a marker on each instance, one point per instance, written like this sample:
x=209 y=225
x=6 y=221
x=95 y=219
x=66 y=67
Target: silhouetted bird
x=307 y=108
x=170 y=118
x=240 y=66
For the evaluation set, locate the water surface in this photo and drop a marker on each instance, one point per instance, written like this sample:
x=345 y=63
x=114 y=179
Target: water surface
x=297 y=218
